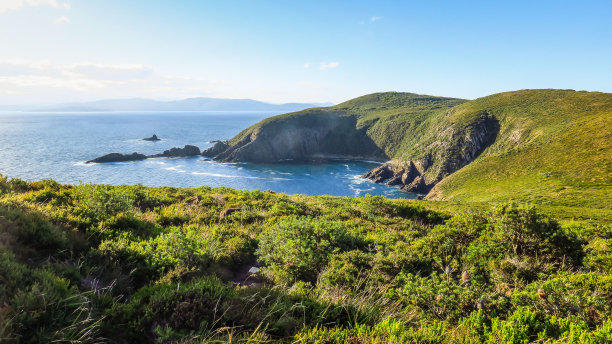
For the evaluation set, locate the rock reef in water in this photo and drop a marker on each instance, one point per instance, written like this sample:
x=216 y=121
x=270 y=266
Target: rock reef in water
x=118 y=157
x=175 y=152
x=152 y=138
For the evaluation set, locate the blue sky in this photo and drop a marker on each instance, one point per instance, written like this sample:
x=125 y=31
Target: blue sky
x=308 y=51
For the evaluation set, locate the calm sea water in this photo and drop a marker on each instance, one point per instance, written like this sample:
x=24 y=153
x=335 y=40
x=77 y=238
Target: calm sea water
x=56 y=145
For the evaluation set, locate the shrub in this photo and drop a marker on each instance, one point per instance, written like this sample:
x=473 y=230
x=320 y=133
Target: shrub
x=34 y=231
x=445 y=246
x=519 y=244
x=297 y=248
x=530 y=233
x=346 y=268
x=102 y=201
x=440 y=296
x=19 y=185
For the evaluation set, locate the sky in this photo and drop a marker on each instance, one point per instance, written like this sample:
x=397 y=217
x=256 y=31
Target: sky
x=54 y=51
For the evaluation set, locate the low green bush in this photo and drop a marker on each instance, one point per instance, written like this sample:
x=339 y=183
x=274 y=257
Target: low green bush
x=297 y=248
x=95 y=263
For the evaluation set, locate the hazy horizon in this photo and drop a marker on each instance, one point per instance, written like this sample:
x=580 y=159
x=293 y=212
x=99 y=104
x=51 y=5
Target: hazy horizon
x=158 y=99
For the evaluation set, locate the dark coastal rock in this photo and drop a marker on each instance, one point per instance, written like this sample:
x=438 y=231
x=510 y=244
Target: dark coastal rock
x=218 y=148
x=152 y=138
x=118 y=157
x=379 y=174
x=418 y=185
x=194 y=200
x=454 y=148
x=394 y=172
x=226 y=212
x=175 y=152
x=405 y=174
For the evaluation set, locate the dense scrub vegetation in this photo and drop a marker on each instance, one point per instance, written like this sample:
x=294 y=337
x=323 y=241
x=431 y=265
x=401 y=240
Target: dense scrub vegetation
x=96 y=263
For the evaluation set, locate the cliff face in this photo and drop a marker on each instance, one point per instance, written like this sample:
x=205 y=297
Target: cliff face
x=453 y=148
x=304 y=136
x=371 y=127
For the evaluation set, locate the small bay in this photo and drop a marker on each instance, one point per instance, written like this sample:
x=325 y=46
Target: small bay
x=35 y=146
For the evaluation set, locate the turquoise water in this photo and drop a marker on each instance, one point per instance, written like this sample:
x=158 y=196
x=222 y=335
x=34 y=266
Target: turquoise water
x=56 y=145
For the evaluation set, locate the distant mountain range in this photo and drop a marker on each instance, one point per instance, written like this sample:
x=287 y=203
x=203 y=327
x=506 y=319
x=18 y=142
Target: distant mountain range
x=189 y=104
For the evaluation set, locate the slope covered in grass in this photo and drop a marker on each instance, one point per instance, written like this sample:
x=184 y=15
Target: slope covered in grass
x=132 y=264
x=552 y=147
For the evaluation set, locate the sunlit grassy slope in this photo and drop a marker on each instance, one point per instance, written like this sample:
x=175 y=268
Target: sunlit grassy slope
x=554 y=147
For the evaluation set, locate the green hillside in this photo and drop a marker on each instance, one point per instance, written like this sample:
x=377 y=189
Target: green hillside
x=554 y=147
x=551 y=147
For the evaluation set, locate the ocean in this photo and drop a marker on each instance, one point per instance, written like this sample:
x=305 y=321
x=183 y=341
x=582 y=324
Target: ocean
x=35 y=146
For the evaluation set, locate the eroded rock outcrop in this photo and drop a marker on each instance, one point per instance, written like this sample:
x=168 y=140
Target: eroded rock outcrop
x=400 y=173
x=218 y=148
x=152 y=138
x=117 y=157
x=175 y=152
x=451 y=149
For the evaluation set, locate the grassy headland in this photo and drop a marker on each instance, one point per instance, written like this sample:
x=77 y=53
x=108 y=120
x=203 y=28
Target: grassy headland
x=548 y=147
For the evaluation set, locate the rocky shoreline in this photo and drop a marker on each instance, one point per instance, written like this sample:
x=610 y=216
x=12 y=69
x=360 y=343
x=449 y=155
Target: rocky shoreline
x=405 y=174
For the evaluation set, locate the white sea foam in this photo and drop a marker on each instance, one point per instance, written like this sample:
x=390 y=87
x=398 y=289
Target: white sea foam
x=175 y=168
x=356 y=179
x=219 y=175
x=82 y=163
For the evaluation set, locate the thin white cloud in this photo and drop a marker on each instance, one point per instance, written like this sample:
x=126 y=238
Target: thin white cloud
x=373 y=19
x=331 y=65
x=80 y=77
x=110 y=71
x=307 y=65
x=11 y=92
x=11 y=5
x=39 y=79
x=62 y=20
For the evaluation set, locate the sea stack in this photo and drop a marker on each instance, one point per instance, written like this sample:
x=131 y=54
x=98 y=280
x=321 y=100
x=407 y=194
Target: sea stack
x=152 y=138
